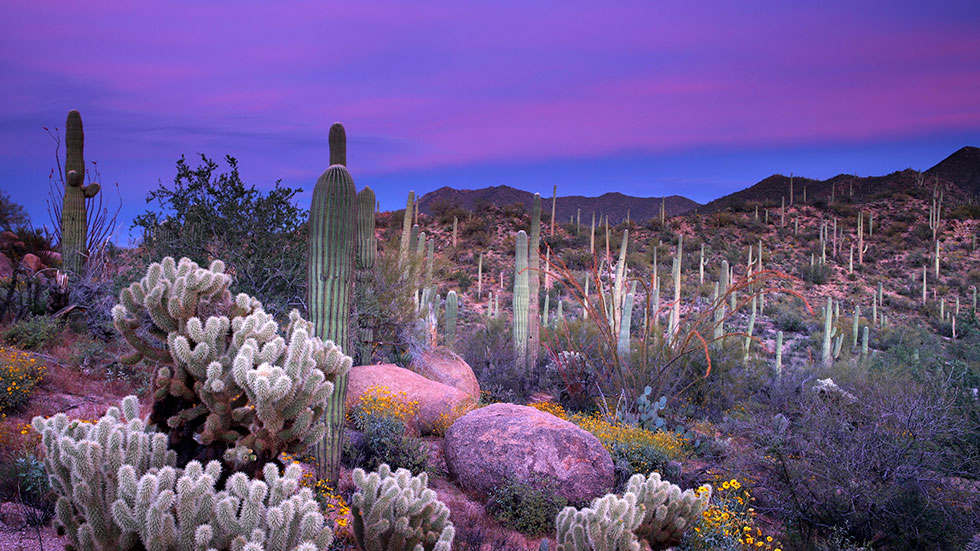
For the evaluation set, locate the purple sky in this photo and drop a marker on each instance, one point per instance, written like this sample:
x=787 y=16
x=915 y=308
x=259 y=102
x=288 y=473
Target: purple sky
x=648 y=98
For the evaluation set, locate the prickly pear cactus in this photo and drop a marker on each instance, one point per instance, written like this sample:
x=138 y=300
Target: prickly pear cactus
x=398 y=512
x=74 y=225
x=229 y=386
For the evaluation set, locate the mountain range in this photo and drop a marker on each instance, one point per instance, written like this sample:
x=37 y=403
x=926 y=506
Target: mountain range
x=959 y=172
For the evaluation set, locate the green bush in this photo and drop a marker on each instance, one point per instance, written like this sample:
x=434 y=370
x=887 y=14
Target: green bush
x=629 y=459
x=33 y=333
x=527 y=509
x=384 y=441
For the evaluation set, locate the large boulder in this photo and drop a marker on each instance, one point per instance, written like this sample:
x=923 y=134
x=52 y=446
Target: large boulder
x=443 y=365
x=32 y=262
x=490 y=445
x=434 y=398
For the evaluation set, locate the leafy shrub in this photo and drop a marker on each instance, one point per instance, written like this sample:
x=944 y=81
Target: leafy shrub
x=19 y=376
x=523 y=507
x=261 y=237
x=629 y=459
x=33 y=333
x=33 y=489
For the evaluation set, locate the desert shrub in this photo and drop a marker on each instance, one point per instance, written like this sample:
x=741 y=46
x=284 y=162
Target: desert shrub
x=33 y=489
x=883 y=454
x=489 y=350
x=817 y=273
x=19 y=376
x=261 y=237
x=630 y=459
x=382 y=416
x=525 y=508
x=444 y=211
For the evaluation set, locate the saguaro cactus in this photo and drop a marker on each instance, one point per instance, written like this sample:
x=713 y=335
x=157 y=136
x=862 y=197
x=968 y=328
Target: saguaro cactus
x=534 y=283
x=452 y=308
x=521 y=301
x=332 y=230
x=367 y=254
x=74 y=225
x=406 y=242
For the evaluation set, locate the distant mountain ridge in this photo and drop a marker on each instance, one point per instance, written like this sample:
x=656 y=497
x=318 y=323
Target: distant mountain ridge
x=958 y=172
x=613 y=204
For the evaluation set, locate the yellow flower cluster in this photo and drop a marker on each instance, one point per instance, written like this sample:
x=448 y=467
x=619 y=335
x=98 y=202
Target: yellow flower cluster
x=730 y=518
x=446 y=420
x=19 y=375
x=611 y=434
x=382 y=402
x=16 y=437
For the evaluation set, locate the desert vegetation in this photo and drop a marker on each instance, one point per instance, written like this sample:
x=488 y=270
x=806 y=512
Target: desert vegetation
x=793 y=367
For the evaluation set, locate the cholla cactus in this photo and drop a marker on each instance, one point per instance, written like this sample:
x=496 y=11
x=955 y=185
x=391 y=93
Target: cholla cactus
x=183 y=511
x=608 y=524
x=651 y=514
x=397 y=512
x=229 y=385
x=82 y=460
x=667 y=510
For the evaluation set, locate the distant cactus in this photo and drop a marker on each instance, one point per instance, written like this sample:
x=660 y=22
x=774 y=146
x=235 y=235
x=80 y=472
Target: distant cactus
x=405 y=245
x=398 y=512
x=228 y=385
x=452 y=308
x=521 y=300
x=74 y=224
x=330 y=282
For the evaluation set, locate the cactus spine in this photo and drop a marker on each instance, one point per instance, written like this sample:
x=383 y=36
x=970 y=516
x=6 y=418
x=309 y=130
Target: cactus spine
x=367 y=254
x=332 y=229
x=521 y=301
x=74 y=225
x=534 y=283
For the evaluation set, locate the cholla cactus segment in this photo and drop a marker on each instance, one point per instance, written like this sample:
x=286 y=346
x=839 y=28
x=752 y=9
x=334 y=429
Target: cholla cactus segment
x=183 y=511
x=82 y=460
x=397 y=511
x=608 y=524
x=230 y=381
x=667 y=511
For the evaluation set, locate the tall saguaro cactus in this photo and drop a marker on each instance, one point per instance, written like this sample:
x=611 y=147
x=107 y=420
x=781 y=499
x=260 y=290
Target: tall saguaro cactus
x=367 y=254
x=73 y=221
x=521 y=300
x=534 y=283
x=330 y=283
